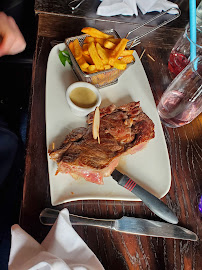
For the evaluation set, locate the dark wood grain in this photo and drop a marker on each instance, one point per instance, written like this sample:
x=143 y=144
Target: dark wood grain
x=117 y=250
x=59 y=28
x=89 y=7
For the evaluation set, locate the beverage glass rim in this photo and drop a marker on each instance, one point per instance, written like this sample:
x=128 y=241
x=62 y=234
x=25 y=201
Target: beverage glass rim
x=186 y=33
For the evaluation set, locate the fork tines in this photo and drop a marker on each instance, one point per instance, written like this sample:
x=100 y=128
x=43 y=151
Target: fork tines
x=133 y=43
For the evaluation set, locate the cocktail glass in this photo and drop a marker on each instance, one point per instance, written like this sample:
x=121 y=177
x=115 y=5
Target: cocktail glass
x=182 y=101
x=180 y=55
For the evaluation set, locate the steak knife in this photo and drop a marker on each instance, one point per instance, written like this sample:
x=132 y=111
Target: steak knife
x=125 y=224
x=152 y=202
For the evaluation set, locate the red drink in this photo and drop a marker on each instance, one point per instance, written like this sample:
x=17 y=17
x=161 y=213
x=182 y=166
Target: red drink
x=176 y=110
x=177 y=62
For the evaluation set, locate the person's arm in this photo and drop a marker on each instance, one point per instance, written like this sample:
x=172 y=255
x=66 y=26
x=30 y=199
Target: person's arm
x=11 y=39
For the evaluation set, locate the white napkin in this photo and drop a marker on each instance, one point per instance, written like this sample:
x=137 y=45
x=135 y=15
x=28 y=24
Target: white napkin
x=129 y=7
x=61 y=249
x=117 y=7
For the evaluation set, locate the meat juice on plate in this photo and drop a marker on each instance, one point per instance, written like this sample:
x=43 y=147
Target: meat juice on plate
x=175 y=110
x=177 y=62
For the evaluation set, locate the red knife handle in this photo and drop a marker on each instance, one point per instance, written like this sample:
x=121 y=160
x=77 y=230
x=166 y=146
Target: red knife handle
x=130 y=184
x=127 y=183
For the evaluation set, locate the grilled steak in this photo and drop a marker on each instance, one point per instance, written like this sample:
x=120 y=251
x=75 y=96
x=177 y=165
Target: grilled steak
x=123 y=130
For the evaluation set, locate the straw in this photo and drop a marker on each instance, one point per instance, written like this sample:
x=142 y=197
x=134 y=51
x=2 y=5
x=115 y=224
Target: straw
x=192 y=22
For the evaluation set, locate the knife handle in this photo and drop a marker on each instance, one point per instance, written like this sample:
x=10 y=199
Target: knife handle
x=152 y=202
x=48 y=217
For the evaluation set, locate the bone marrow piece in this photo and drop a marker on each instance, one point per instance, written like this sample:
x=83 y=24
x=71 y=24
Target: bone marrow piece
x=123 y=130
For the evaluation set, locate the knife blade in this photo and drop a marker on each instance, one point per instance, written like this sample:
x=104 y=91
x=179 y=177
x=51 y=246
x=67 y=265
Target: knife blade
x=152 y=202
x=130 y=225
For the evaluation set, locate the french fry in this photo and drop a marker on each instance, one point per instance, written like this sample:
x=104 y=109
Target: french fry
x=120 y=65
x=117 y=51
x=109 y=45
x=127 y=59
x=100 y=41
x=105 y=62
x=115 y=40
x=93 y=32
x=102 y=53
x=95 y=57
x=85 y=48
x=107 y=67
x=77 y=49
x=89 y=39
x=71 y=47
x=85 y=70
x=127 y=52
x=92 y=68
x=82 y=63
x=88 y=59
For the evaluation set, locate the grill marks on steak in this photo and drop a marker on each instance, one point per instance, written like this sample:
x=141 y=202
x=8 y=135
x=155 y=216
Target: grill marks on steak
x=74 y=136
x=88 y=159
x=123 y=130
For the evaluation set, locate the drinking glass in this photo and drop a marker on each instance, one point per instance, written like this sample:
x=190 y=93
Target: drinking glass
x=182 y=101
x=180 y=55
x=199 y=14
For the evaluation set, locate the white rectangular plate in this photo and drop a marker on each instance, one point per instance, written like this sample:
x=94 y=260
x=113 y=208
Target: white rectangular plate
x=150 y=167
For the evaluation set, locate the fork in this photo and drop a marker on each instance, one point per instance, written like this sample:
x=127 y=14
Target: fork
x=133 y=43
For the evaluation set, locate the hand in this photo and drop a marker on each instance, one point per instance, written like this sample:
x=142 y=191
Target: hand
x=11 y=39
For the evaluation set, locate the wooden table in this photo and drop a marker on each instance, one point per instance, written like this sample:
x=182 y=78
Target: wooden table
x=116 y=250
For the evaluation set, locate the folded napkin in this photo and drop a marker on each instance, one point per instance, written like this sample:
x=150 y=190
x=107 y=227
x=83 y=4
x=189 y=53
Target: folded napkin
x=117 y=7
x=129 y=7
x=61 y=249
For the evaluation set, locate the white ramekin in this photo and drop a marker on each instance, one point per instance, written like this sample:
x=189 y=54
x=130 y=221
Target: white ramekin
x=76 y=109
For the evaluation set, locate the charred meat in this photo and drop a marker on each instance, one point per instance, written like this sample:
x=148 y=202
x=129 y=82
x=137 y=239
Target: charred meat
x=123 y=130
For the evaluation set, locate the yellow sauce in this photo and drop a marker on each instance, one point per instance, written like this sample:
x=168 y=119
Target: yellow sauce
x=83 y=97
